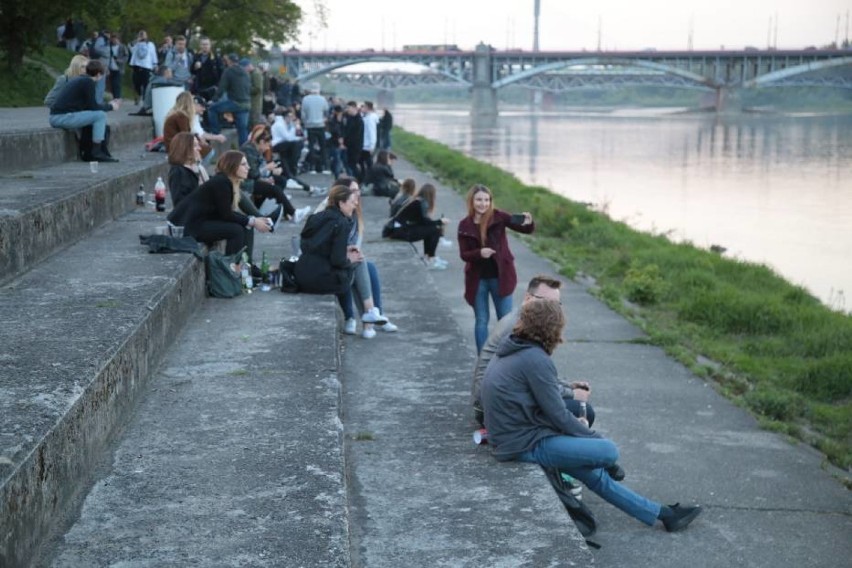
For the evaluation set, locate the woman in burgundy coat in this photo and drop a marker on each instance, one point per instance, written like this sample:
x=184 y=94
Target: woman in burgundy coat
x=489 y=264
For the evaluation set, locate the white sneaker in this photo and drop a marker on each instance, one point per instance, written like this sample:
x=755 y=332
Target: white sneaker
x=368 y=333
x=373 y=315
x=446 y=243
x=437 y=264
x=388 y=327
x=301 y=213
x=317 y=191
x=326 y=172
x=350 y=326
x=292 y=184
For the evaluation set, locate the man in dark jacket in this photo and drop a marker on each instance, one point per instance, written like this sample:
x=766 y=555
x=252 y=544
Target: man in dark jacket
x=527 y=420
x=75 y=107
x=207 y=69
x=353 y=139
x=235 y=85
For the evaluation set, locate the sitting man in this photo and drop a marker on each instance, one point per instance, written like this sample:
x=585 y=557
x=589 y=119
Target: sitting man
x=76 y=107
x=234 y=96
x=541 y=287
x=527 y=420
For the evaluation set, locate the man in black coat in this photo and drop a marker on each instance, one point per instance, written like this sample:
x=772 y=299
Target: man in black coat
x=353 y=138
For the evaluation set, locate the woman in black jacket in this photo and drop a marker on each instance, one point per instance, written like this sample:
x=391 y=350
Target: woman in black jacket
x=210 y=213
x=326 y=263
x=414 y=223
x=186 y=171
x=381 y=177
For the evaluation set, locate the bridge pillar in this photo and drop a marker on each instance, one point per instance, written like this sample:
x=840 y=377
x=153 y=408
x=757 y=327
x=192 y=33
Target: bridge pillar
x=484 y=95
x=721 y=98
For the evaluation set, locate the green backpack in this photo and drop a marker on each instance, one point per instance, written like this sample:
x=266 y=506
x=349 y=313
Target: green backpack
x=222 y=281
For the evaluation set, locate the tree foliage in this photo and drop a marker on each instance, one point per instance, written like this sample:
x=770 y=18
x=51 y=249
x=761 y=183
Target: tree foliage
x=27 y=25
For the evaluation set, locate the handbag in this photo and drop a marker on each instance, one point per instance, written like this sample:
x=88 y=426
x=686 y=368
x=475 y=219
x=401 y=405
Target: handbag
x=222 y=280
x=287 y=273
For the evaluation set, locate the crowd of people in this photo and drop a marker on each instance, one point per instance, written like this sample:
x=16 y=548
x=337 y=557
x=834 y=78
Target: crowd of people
x=530 y=414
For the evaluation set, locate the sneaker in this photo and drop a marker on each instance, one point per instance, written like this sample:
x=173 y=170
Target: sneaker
x=574 y=486
x=445 y=243
x=436 y=264
x=350 y=326
x=276 y=216
x=317 y=191
x=292 y=184
x=373 y=315
x=326 y=172
x=301 y=213
x=388 y=327
x=680 y=517
x=368 y=333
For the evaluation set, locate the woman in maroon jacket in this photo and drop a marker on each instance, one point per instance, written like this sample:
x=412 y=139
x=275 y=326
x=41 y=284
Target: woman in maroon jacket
x=489 y=264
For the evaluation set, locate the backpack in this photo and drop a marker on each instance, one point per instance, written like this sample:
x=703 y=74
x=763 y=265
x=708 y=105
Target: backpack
x=287 y=273
x=222 y=280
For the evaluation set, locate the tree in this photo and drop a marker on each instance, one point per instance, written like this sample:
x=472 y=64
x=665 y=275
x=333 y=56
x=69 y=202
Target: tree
x=24 y=24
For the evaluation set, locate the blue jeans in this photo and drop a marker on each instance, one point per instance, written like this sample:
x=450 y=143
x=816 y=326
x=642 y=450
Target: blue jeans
x=345 y=300
x=585 y=459
x=241 y=117
x=481 y=309
x=73 y=120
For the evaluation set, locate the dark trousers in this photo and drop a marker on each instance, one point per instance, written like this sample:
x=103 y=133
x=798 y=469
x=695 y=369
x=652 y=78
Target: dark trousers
x=263 y=191
x=365 y=162
x=289 y=152
x=235 y=236
x=352 y=156
x=141 y=76
x=114 y=79
x=429 y=234
x=316 y=142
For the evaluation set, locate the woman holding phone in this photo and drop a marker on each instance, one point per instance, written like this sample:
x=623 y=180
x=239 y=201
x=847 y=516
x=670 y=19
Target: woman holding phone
x=489 y=264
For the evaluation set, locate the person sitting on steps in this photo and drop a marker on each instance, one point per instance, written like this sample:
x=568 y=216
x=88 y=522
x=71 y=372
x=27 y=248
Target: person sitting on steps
x=527 y=420
x=75 y=107
x=414 y=223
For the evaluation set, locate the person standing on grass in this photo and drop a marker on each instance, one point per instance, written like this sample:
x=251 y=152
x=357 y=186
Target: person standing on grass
x=527 y=419
x=489 y=264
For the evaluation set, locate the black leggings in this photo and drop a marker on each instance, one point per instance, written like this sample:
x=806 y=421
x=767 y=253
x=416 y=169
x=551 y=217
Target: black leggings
x=141 y=76
x=429 y=234
x=235 y=236
x=263 y=190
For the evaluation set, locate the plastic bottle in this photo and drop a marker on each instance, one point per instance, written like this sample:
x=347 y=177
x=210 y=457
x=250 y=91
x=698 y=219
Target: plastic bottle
x=140 y=196
x=245 y=273
x=160 y=194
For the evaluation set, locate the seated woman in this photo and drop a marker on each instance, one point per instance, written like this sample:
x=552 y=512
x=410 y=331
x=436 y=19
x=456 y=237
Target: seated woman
x=184 y=117
x=380 y=177
x=366 y=289
x=260 y=183
x=210 y=213
x=186 y=171
x=414 y=223
x=406 y=193
x=527 y=420
x=326 y=265
x=76 y=68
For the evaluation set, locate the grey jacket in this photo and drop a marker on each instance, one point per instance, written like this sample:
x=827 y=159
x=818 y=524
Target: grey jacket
x=522 y=400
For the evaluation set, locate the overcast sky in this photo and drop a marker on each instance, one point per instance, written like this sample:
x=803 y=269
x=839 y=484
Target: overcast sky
x=574 y=25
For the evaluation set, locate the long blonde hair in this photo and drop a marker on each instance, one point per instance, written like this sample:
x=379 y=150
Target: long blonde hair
x=77 y=66
x=185 y=104
x=485 y=220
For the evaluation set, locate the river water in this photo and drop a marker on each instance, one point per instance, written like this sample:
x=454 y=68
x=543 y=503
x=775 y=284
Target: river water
x=770 y=189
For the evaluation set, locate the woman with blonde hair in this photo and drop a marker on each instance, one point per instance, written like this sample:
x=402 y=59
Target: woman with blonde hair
x=184 y=116
x=489 y=264
x=211 y=212
x=76 y=67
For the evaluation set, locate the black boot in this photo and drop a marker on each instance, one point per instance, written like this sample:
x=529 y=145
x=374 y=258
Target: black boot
x=99 y=156
x=104 y=149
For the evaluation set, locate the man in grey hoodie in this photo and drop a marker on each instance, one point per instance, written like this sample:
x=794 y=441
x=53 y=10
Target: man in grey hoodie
x=527 y=420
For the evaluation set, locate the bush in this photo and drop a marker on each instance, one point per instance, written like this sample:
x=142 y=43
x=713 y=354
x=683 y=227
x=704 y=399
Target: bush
x=774 y=404
x=643 y=284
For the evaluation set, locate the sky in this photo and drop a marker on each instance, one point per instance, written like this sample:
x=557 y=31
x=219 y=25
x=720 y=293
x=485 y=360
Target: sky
x=573 y=25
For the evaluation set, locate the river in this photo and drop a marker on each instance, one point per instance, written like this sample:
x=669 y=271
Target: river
x=770 y=189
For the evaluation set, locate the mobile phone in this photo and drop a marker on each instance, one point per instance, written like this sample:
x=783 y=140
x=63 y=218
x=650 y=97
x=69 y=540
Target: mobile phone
x=518 y=219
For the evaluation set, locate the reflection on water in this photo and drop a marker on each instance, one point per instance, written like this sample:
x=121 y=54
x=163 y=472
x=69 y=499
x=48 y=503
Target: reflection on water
x=769 y=189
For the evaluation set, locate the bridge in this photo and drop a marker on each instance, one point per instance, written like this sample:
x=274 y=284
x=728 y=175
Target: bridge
x=485 y=70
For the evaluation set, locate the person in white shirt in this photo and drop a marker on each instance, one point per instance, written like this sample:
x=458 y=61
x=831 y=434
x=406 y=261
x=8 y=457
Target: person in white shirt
x=371 y=127
x=143 y=61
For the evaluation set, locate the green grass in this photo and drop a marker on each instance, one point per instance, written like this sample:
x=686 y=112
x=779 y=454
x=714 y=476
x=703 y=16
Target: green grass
x=774 y=348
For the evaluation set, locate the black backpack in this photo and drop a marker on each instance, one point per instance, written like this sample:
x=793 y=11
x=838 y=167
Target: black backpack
x=577 y=510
